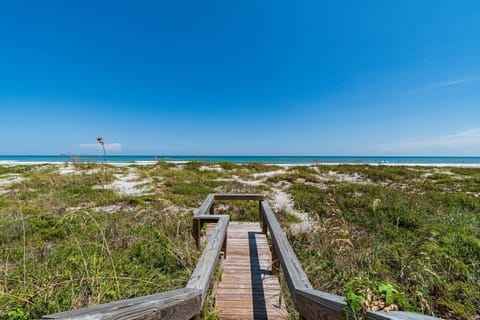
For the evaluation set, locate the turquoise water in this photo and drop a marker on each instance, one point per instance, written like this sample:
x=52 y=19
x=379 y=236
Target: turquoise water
x=246 y=159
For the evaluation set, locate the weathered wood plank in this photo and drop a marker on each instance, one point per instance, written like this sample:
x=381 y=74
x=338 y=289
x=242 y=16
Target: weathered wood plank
x=237 y=196
x=205 y=207
x=248 y=290
x=206 y=210
x=242 y=313
x=207 y=263
x=208 y=219
x=295 y=277
x=234 y=294
x=203 y=211
x=314 y=304
x=310 y=303
x=172 y=305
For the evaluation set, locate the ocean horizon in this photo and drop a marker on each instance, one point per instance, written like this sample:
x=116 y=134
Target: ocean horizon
x=132 y=159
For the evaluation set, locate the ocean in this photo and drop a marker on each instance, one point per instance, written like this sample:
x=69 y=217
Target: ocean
x=126 y=159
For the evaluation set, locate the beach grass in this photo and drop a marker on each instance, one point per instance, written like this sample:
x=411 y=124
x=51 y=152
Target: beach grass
x=76 y=235
x=424 y=240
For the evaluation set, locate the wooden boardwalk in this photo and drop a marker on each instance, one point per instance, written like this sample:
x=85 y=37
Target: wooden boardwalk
x=248 y=289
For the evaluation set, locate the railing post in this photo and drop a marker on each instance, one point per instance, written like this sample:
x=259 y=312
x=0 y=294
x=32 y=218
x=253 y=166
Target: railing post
x=275 y=262
x=196 y=232
x=224 y=246
x=262 y=217
x=212 y=209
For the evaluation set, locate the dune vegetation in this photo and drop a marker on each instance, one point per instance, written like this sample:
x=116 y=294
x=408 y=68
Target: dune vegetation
x=80 y=234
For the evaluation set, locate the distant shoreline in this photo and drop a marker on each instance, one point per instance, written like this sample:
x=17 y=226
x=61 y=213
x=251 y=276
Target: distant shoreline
x=122 y=160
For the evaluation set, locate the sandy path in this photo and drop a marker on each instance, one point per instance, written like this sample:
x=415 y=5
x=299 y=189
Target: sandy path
x=128 y=184
x=9 y=179
x=283 y=202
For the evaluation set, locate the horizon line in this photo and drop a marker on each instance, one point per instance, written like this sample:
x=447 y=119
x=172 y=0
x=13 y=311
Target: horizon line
x=223 y=155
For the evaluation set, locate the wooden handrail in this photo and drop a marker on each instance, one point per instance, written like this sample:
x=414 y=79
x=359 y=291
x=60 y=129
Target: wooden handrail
x=180 y=304
x=295 y=277
x=205 y=212
x=314 y=304
x=205 y=207
x=237 y=196
x=187 y=302
x=172 y=305
x=203 y=273
x=207 y=204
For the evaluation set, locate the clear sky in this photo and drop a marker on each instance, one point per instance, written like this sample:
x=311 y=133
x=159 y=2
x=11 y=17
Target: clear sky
x=240 y=77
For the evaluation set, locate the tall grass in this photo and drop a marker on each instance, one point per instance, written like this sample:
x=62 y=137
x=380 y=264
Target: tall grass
x=58 y=252
x=426 y=244
x=410 y=230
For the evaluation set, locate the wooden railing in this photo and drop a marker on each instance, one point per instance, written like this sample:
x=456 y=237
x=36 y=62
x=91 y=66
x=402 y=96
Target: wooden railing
x=178 y=304
x=206 y=212
x=310 y=303
x=202 y=275
x=186 y=303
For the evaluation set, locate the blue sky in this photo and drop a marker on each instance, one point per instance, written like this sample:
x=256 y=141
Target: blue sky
x=240 y=78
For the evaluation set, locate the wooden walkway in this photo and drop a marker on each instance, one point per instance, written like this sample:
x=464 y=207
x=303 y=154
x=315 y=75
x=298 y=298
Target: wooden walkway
x=248 y=289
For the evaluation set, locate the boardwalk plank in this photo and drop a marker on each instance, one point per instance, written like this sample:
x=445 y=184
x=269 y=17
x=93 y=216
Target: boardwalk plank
x=248 y=289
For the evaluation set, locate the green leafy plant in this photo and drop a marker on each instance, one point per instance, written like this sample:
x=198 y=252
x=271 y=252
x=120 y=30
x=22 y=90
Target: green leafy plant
x=363 y=294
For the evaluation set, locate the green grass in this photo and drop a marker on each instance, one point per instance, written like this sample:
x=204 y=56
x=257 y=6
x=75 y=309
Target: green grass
x=411 y=234
x=238 y=211
x=53 y=258
x=427 y=244
x=376 y=173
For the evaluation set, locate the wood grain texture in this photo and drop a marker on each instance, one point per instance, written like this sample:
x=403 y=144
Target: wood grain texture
x=248 y=289
x=206 y=210
x=237 y=196
x=172 y=305
x=205 y=268
x=314 y=304
x=205 y=207
x=295 y=277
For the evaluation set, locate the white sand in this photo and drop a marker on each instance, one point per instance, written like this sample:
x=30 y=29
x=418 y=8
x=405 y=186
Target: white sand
x=127 y=184
x=268 y=174
x=8 y=179
x=284 y=165
x=211 y=168
x=259 y=178
x=236 y=178
x=108 y=209
x=283 y=202
x=341 y=177
x=70 y=169
x=114 y=208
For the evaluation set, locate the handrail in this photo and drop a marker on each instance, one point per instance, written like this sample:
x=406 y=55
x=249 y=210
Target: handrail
x=187 y=302
x=202 y=275
x=205 y=212
x=295 y=277
x=178 y=304
x=313 y=304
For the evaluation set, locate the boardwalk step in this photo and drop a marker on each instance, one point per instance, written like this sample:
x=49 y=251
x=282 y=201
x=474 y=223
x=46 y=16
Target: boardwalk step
x=248 y=289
